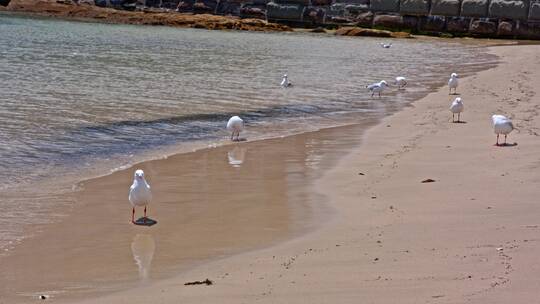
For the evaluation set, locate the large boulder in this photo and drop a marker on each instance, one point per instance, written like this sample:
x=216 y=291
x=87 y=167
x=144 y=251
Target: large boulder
x=287 y=2
x=414 y=7
x=432 y=23
x=528 y=30
x=506 y=29
x=474 y=8
x=534 y=10
x=445 y=7
x=291 y=12
x=483 y=28
x=388 y=21
x=384 y=6
x=4 y=2
x=458 y=24
x=365 y=19
x=509 y=9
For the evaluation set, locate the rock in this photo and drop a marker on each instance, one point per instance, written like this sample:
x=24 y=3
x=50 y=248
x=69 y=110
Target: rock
x=365 y=19
x=432 y=23
x=528 y=30
x=445 y=7
x=358 y=31
x=457 y=24
x=483 y=28
x=414 y=7
x=389 y=21
x=384 y=6
x=318 y=30
x=509 y=9
x=410 y=22
x=314 y=15
x=291 y=12
x=321 y=2
x=474 y=8
x=534 y=10
x=301 y=2
x=506 y=28
x=4 y=2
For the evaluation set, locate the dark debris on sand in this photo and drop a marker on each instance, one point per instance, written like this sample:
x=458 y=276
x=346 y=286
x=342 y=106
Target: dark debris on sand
x=205 y=282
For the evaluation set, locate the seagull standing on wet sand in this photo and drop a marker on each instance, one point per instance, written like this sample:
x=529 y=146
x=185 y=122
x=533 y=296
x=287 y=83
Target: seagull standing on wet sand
x=453 y=83
x=139 y=194
x=501 y=125
x=386 y=45
x=401 y=82
x=285 y=83
x=377 y=87
x=235 y=125
x=456 y=107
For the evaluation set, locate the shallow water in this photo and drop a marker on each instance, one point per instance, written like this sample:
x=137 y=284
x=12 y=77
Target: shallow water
x=80 y=99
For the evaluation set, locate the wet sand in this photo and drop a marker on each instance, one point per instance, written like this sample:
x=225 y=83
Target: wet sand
x=209 y=204
x=469 y=236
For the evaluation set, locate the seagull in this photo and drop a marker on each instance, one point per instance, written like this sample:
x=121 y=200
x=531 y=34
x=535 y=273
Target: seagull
x=386 y=45
x=501 y=125
x=456 y=107
x=401 y=82
x=377 y=87
x=453 y=82
x=235 y=125
x=285 y=82
x=139 y=193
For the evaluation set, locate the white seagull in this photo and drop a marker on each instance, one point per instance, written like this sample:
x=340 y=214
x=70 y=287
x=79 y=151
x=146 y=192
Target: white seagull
x=377 y=87
x=386 y=45
x=453 y=82
x=501 y=125
x=139 y=194
x=401 y=82
x=285 y=83
x=235 y=125
x=456 y=108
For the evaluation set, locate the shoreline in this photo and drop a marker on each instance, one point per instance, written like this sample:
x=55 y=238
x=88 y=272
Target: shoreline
x=349 y=257
x=221 y=147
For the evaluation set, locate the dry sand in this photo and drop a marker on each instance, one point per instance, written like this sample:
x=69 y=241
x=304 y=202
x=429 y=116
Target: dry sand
x=384 y=236
x=470 y=236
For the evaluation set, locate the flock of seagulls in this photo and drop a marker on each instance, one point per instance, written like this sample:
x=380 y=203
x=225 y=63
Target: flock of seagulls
x=141 y=195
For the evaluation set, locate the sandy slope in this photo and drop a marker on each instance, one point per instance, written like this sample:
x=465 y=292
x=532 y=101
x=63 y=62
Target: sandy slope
x=470 y=236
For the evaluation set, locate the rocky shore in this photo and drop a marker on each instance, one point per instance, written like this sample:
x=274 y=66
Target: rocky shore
x=69 y=10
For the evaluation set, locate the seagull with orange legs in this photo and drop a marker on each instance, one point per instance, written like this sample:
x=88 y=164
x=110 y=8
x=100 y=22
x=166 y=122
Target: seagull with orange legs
x=139 y=194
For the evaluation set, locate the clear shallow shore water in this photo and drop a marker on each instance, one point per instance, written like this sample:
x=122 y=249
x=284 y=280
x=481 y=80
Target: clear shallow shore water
x=80 y=100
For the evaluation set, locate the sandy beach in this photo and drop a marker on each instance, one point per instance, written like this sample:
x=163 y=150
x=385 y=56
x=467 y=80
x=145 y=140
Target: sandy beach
x=335 y=216
x=469 y=236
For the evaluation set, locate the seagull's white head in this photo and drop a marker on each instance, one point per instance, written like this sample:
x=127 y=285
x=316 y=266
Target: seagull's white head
x=454 y=75
x=139 y=174
x=284 y=75
x=383 y=83
x=458 y=100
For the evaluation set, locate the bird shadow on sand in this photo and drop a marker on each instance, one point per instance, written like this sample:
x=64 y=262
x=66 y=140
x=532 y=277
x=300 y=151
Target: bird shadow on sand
x=239 y=139
x=454 y=94
x=506 y=145
x=459 y=122
x=145 y=221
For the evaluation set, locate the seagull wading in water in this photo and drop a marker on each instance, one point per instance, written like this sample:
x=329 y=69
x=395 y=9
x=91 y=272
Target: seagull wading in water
x=235 y=125
x=501 y=125
x=453 y=83
x=456 y=108
x=285 y=82
x=377 y=87
x=139 y=194
x=401 y=82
